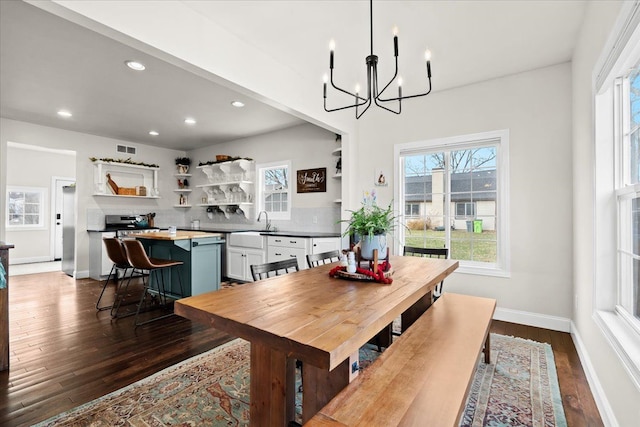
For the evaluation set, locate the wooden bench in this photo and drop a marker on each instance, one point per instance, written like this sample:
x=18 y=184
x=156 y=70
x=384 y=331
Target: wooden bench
x=424 y=377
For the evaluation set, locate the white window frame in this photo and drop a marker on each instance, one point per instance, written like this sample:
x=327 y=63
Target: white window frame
x=42 y=196
x=619 y=326
x=499 y=139
x=284 y=215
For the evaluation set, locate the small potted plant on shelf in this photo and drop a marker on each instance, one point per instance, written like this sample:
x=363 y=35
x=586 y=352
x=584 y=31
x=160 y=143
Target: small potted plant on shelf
x=183 y=164
x=371 y=224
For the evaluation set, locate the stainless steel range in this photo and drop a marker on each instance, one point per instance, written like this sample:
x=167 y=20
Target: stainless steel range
x=124 y=225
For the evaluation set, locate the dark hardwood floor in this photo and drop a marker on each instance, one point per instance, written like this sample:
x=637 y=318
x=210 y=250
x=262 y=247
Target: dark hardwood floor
x=64 y=353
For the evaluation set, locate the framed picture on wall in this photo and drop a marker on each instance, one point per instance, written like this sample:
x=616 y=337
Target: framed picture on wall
x=380 y=178
x=312 y=180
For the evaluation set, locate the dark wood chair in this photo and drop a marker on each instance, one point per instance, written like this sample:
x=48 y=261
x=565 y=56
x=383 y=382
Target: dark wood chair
x=429 y=253
x=314 y=260
x=139 y=260
x=278 y=268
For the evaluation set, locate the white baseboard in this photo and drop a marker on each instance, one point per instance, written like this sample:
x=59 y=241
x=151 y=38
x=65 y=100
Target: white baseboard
x=545 y=321
x=29 y=260
x=606 y=413
x=83 y=274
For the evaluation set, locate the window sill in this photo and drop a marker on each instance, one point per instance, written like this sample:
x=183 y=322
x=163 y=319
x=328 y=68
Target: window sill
x=624 y=341
x=483 y=271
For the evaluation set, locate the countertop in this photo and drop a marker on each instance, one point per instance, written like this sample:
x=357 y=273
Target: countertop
x=180 y=235
x=301 y=234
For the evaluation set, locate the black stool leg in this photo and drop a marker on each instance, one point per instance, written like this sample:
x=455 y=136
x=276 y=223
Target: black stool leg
x=114 y=270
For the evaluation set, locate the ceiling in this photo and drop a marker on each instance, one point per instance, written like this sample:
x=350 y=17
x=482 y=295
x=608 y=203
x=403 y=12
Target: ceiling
x=48 y=63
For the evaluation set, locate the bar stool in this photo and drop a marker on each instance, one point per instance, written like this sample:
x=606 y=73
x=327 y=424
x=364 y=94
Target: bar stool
x=118 y=257
x=139 y=260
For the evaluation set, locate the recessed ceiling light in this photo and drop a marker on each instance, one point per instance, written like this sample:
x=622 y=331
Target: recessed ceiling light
x=135 y=65
x=64 y=113
x=190 y=121
x=153 y=133
x=238 y=104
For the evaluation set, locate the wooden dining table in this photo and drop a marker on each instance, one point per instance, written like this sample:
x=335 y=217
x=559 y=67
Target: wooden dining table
x=312 y=317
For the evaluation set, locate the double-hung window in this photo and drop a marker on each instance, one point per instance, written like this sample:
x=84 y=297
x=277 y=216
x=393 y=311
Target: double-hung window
x=454 y=195
x=274 y=189
x=25 y=207
x=627 y=163
x=617 y=192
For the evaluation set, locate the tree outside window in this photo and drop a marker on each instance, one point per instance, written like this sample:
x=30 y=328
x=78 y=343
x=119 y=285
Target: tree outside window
x=274 y=190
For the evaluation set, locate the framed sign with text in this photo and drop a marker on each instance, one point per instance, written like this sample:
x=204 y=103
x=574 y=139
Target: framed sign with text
x=312 y=180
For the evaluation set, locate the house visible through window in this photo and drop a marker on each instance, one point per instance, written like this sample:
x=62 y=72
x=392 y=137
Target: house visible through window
x=465 y=210
x=454 y=193
x=412 y=209
x=274 y=192
x=25 y=207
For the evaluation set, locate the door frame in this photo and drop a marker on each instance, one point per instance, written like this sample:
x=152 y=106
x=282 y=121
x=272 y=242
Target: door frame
x=54 y=197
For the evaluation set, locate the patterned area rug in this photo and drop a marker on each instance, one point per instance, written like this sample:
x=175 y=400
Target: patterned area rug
x=519 y=387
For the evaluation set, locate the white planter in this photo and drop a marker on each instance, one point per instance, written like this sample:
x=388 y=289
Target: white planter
x=368 y=244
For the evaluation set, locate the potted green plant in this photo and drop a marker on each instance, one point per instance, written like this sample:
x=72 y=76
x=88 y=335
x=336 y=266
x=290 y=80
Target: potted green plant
x=183 y=164
x=371 y=224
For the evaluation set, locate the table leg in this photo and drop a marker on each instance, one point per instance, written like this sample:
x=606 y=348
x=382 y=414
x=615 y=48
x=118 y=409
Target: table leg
x=415 y=311
x=320 y=386
x=487 y=349
x=272 y=387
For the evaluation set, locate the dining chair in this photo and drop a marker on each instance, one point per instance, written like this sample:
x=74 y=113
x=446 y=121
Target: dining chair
x=139 y=260
x=314 y=260
x=116 y=254
x=278 y=268
x=429 y=253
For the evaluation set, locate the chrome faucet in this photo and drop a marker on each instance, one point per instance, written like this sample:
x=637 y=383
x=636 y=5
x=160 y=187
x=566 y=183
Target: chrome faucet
x=266 y=215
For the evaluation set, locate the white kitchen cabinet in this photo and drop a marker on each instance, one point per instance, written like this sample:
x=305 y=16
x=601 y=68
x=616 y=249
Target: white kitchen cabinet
x=99 y=262
x=240 y=260
x=244 y=249
x=283 y=247
x=324 y=244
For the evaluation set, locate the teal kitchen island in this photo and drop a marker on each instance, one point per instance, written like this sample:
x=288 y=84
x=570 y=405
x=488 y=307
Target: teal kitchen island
x=199 y=251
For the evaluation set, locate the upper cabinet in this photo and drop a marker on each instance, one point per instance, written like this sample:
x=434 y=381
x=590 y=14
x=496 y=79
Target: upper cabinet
x=117 y=179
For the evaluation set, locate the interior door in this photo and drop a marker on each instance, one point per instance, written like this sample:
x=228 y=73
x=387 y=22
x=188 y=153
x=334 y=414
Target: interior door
x=57 y=216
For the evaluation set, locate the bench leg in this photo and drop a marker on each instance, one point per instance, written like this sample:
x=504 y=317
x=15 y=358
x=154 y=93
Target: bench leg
x=487 y=349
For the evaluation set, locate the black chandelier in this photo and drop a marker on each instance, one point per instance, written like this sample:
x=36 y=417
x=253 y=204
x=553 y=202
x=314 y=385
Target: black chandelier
x=372 y=81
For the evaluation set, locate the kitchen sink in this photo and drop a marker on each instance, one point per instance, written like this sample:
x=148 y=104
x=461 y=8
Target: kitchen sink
x=247 y=239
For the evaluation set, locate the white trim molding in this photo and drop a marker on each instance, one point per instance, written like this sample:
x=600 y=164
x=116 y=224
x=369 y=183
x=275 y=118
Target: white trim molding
x=600 y=397
x=538 y=320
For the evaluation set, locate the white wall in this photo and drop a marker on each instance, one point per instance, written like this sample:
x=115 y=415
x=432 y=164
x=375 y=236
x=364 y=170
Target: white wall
x=90 y=209
x=31 y=168
x=536 y=108
x=617 y=396
x=307 y=147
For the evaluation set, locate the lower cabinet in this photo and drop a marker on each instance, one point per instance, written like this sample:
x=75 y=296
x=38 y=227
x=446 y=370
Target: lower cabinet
x=240 y=260
x=99 y=262
x=281 y=247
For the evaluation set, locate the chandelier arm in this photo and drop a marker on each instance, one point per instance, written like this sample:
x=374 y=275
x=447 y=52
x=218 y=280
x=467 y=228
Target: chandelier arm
x=387 y=85
x=343 y=108
x=406 y=97
x=363 y=111
x=374 y=74
x=346 y=91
